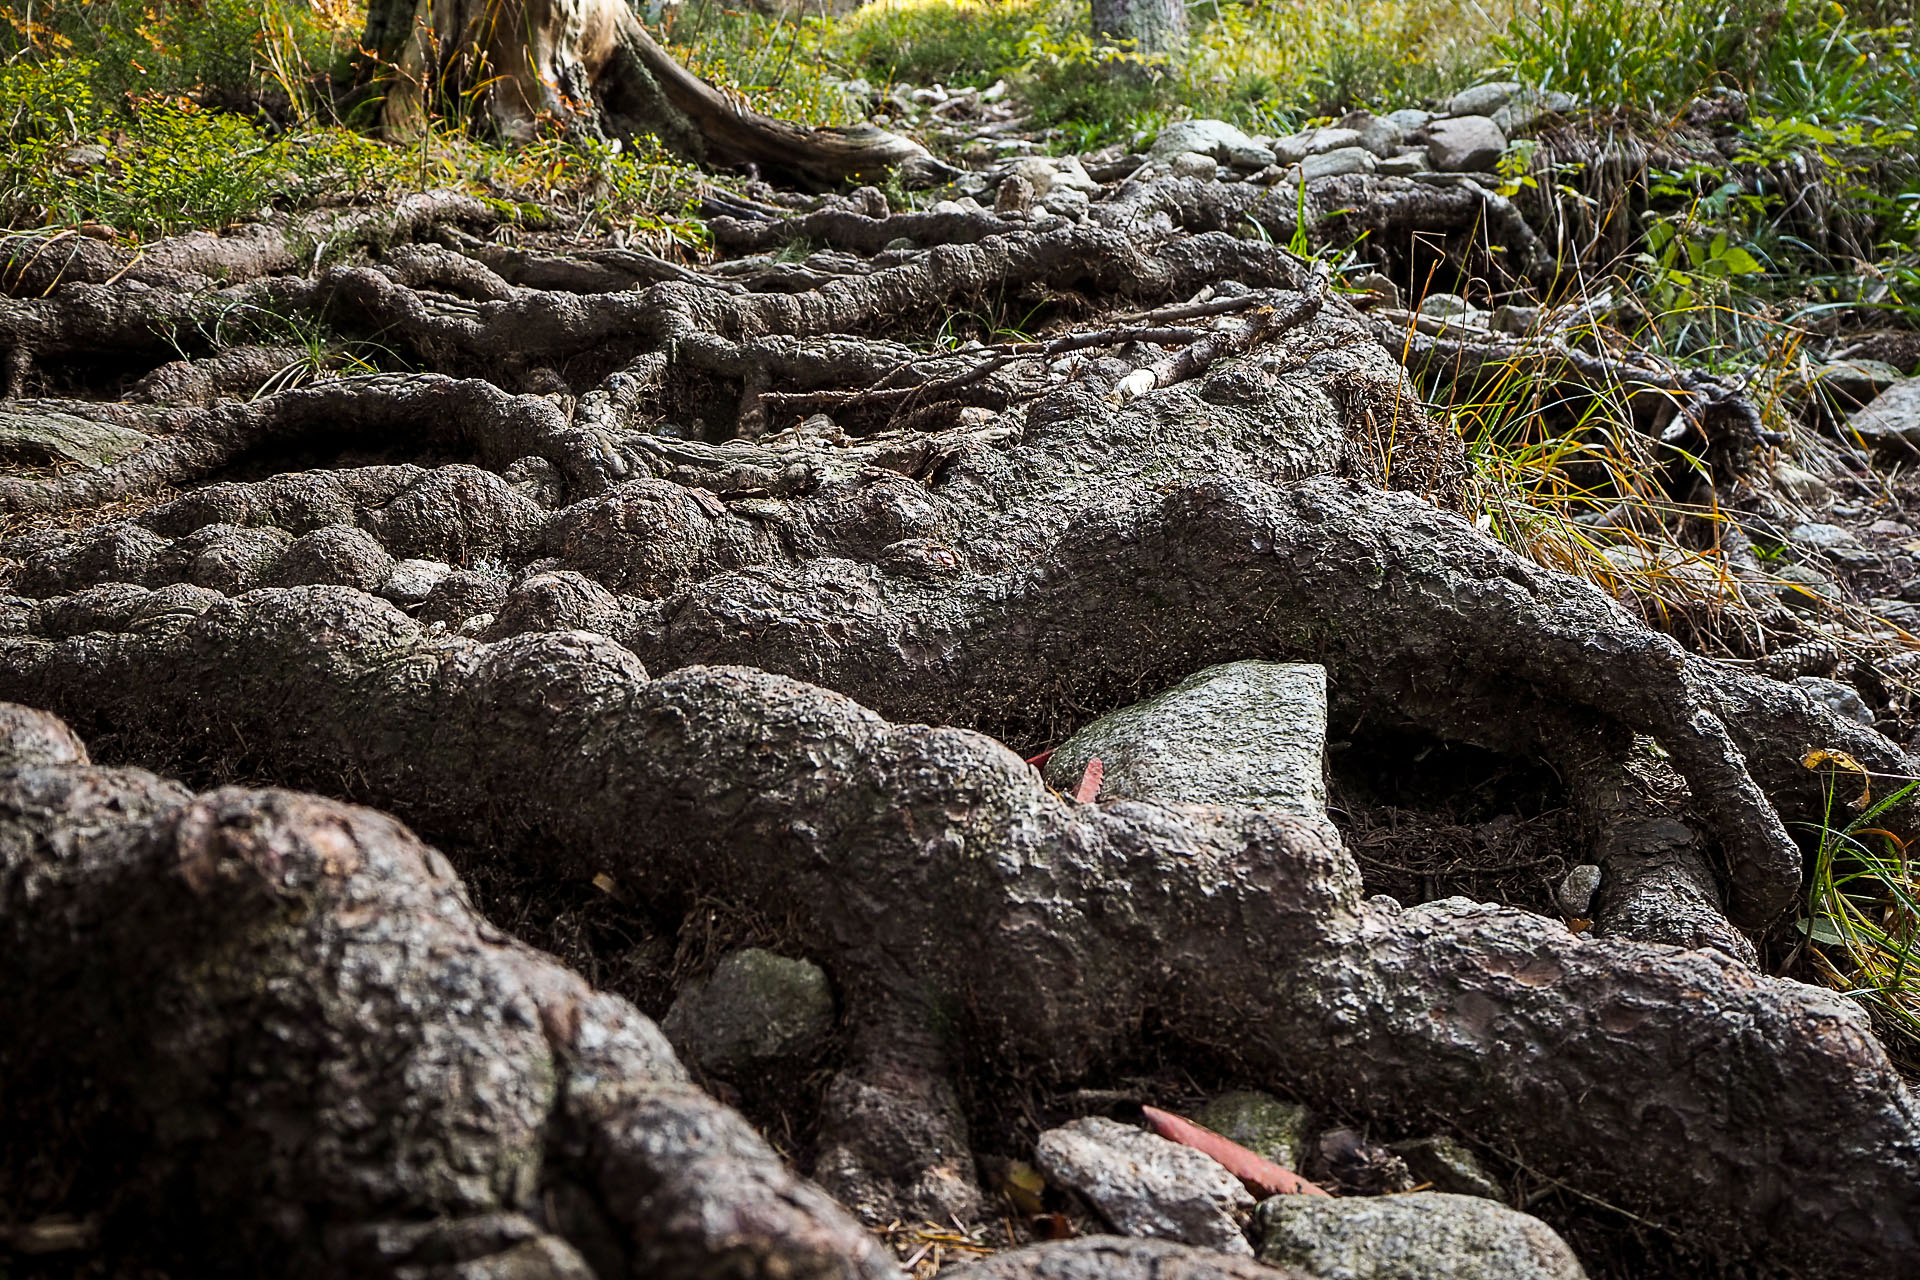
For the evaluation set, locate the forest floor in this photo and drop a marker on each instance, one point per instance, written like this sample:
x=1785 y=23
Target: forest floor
x=1666 y=338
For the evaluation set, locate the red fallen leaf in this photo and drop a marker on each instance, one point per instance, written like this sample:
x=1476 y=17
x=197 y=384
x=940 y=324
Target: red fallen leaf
x=1262 y=1176
x=1089 y=786
x=1040 y=761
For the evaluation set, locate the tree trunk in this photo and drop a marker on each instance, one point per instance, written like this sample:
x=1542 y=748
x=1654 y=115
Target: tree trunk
x=1150 y=26
x=590 y=65
x=714 y=584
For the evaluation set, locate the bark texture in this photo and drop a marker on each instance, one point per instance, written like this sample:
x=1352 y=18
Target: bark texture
x=591 y=65
x=665 y=577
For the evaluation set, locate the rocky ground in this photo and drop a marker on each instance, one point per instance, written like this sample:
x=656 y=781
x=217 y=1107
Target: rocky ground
x=699 y=620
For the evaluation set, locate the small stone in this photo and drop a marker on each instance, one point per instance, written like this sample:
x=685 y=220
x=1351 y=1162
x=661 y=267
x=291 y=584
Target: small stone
x=1484 y=99
x=1797 y=582
x=46 y=436
x=1406 y=163
x=1146 y=1186
x=1409 y=119
x=1191 y=164
x=84 y=156
x=1448 y=306
x=1329 y=164
x=1375 y=133
x=1015 y=196
x=1574 y=897
x=1425 y=1235
x=1893 y=416
x=1376 y=290
x=1841 y=699
x=1854 y=383
x=1465 y=144
x=901 y=243
x=1801 y=484
x=1833 y=541
x=412 y=581
x=1213 y=138
x=1448 y=1165
x=1890 y=529
x=1261 y=1123
x=1072 y=203
x=757 y=1008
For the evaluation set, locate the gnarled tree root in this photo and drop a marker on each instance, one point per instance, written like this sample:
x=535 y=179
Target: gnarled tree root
x=935 y=874
x=284 y=1043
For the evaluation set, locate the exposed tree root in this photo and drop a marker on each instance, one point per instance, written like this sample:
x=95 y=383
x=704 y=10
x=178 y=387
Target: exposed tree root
x=255 y=984
x=1008 y=539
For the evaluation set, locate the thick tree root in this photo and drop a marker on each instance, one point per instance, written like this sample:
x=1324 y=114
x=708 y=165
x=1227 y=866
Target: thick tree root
x=255 y=984
x=900 y=849
x=1235 y=470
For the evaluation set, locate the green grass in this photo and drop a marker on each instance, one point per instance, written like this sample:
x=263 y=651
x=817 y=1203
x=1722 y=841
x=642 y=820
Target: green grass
x=1861 y=927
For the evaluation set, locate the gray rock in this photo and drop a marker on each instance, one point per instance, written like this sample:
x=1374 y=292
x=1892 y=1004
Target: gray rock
x=1485 y=99
x=1831 y=540
x=45 y=436
x=1191 y=164
x=1215 y=138
x=1801 y=484
x=1424 y=1235
x=1798 y=581
x=1855 y=382
x=1146 y=1186
x=1329 y=164
x=1529 y=107
x=1574 y=897
x=1296 y=147
x=1376 y=134
x=1264 y=1125
x=1449 y=306
x=1904 y=614
x=1071 y=202
x=412 y=581
x=1448 y=1166
x=1114 y=1258
x=1894 y=415
x=1047 y=174
x=757 y=1008
x=1465 y=144
x=1407 y=163
x=1843 y=699
x=1248 y=734
x=1409 y=119
x=1377 y=290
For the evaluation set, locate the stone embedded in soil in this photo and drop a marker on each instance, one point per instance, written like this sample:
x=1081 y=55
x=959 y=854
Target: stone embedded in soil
x=1146 y=1186
x=1249 y=734
x=1485 y=99
x=1836 y=542
x=1574 y=897
x=1117 y=1258
x=756 y=1008
x=1214 y=138
x=1465 y=144
x=1842 y=698
x=1447 y=1166
x=1261 y=1123
x=1341 y=160
x=1892 y=418
x=46 y=436
x=1425 y=1235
